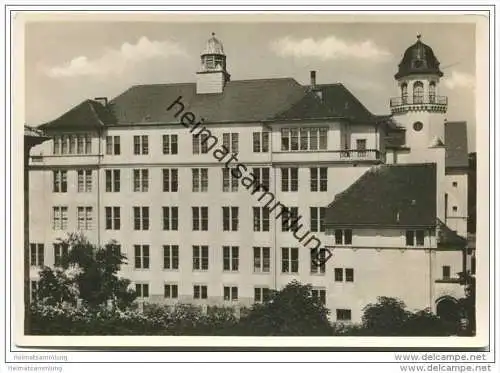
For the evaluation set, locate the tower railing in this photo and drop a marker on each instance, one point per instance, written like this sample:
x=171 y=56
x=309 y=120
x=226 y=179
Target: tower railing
x=407 y=103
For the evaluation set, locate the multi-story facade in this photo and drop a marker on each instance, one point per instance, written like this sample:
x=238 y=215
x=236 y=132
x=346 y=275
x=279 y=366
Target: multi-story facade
x=135 y=170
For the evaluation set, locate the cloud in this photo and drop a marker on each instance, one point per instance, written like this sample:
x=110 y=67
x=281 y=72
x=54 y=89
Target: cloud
x=117 y=61
x=329 y=48
x=459 y=80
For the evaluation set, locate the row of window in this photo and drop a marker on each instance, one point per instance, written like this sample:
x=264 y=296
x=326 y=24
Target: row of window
x=200 y=259
x=170 y=219
x=292 y=139
x=170 y=180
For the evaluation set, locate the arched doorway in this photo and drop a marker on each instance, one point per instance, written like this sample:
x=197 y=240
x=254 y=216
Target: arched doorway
x=449 y=311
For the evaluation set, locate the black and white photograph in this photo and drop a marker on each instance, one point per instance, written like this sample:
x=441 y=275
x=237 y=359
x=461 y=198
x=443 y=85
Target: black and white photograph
x=248 y=177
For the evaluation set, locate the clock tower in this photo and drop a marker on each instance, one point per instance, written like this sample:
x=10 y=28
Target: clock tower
x=419 y=108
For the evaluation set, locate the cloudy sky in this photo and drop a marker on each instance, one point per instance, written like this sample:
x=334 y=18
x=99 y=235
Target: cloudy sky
x=68 y=62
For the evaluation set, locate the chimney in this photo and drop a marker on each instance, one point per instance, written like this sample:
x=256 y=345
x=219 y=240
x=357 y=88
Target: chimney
x=102 y=100
x=313 y=79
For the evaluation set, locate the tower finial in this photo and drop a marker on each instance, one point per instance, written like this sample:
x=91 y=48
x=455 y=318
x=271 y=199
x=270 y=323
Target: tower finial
x=419 y=35
x=213 y=33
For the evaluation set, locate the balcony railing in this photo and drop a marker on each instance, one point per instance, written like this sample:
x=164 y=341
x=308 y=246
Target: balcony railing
x=403 y=103
x=347 y=155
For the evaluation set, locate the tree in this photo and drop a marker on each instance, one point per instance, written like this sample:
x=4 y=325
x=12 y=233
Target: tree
x=290 y=312
x=468 y=303
x=88 y=275
x=386 y=317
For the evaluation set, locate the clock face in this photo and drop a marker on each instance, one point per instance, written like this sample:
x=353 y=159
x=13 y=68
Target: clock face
x=417 y=126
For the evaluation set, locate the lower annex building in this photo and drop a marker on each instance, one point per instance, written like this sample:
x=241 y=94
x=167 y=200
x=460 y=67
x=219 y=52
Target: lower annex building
x=387 y=195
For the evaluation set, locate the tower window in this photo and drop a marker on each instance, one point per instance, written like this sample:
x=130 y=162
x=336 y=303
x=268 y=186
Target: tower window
x=418 y=93
x=404 y=92
x=417 y=126
x=432 y=92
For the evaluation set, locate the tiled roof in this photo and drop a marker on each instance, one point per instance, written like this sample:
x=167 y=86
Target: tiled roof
x=88 y=114
x=388 y=195
x=241 y=101
x=455 y=141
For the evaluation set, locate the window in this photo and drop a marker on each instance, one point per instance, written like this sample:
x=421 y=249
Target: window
x=72 y=144
x=230 y=293
x=230 y=218
x=60 y=217
x=349 y=275
x=60 y=181
x=343 y=314
x=261 y=175
x=200 y=143
x=60 y=252
x=404 y=93
x=289 y=260
x=141 y=218
x=141 y=255
x=455 y=208
x=84 y=218
x=112 y=218
x=112 y=180
x=200 y=258
x=170 y=144
x=261 y=219
x=141 y=145
x=64 y=144
x=415 y=238
x=84 y=181
x=318 y=261
x=446 y=272
x=229 y=181
x=142 y=290
x=170 y=218
x=455 y=184
x=230 y=141
x=170 y=179
x=170 y=291
x=170 y=257
x=361 y=147
x=261 y=295
x=56 y=145
x=37 y=254
x=289 y=219
x=230 y=258
x=260 y=142
x=304 y=139
x=200 y=292
x=418 y=93
x=343 y=236
x=417 y=126
x=200 y=218
x=317 y=219
x=88 y=144
x=339 y=274
x=319 y=179
x=289 y=179
x=319 y=295
x=112 y=145
x=80 y=145
x=141 y=180
x=200 y=179
x=432 y=92
x=261 y=259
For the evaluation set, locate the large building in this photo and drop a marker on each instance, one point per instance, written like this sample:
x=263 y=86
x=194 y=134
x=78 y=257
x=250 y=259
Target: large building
x=305 y=168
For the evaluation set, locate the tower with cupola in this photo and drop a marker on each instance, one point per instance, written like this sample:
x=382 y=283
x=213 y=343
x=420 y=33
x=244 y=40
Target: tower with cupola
x=418 y=107
x=213 y=75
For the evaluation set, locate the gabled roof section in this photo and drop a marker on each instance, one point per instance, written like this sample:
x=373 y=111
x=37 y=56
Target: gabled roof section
x=88 y=114
x=455 y=140
x=341 y=101
x=388 y=195
x=241 y=101
x=308 y=107
x=448 y=238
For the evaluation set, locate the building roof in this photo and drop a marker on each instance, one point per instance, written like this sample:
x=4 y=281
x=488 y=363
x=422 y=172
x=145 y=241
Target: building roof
x=87 y=114
x=241 y=101
x=214 y=46
x=419 y=58
x=449 y=238
x=388 y=195
x=455 y=140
